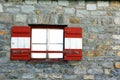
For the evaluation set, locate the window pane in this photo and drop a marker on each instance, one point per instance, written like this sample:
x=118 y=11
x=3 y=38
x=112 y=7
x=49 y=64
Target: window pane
x=55 y=36
x=38 y=55
x=38 y=35
x=14 y=42
x=55 y=55
x=38 y=47
x=55 y=47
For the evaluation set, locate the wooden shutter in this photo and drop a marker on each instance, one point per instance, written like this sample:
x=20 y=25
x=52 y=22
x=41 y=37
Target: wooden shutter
x=73 y=43
x=20 y=43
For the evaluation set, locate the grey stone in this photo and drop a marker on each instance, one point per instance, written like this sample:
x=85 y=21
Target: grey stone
x=107 y=64
x=32 y=19
x=96 y=29
x=82 y=13
x=117 y=20
x=12 y=9
x=28 y=76
x=27 y=9
x=69 y=10
x=63 y=3
x=5 y=18
x=117 y=13
x=95 y=71
x=91 y=7
x=116 y=72
x=20 y=18
x=103 y=3
x=98 y=13
x=1 y=8
x=69 y=77
x=31 y=1
x=79 y=70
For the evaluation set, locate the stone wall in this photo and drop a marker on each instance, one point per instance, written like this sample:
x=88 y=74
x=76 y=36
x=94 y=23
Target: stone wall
x=100 y=21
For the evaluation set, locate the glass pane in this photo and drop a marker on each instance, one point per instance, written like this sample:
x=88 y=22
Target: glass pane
x=38 y=35
x=55 y=36
x=55 y=55
x=38 y=55
x=55 y=47
x=38 y=47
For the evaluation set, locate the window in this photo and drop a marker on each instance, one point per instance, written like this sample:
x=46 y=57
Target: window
x=45 y=41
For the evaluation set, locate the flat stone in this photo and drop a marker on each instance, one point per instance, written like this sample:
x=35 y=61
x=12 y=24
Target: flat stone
x=117 y=13
x=63 y=3
x=115 y=3
x=98 y=13
x=82 y=13
x=102 y=3
x=117 y=37
x=79 y=70
x=117 y=65
x=118 y=53
x=117 y=20
x=1 y=8
x=107 y=71
x=69 y=10
x=116 y=47
x=31 y=1
x=69 y=77
x=28 y=76
x=20 y=18
x=91 y=7
x=15 y=0
x=32 y=19
x=89 y=77
x=12 y=10
x=27 y=9
x=95 y=71
x=5 y=18
x=74 y=20
x=81 y=2
x=48 y=2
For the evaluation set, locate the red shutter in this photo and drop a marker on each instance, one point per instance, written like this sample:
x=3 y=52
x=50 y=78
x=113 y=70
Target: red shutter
x=20 y=43
x=73 y=43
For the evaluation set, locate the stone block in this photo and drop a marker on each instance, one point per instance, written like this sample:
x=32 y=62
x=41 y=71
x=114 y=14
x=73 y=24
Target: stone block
x=107 y=71
x=98 y=13
x=69 y=77
x=63 y=3
x=89 y=77
x=12 y=10
x=118 y=53
x=117 y=65
x=69 y=10
x=117 y=13
x=81 y=3
x=115 y=3
x=94 y=53
x=19 y=18
x=31 y=1
x=116 y=47
x=103 y=3
x=79 y=70
x=117 y=37
x=5 y=18
x=117 y=20
x=27 y=9
x=15 y=0
x=3 y=32
x=48 y=2
x=91 y=7
x=95 y=71
x=1 y=8
x=32 y=19
x=82 y=13
x=74 y=20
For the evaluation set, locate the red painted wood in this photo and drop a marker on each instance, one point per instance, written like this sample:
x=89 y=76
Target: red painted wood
x=21 y=31
x=20 y=53
x=73 y=32
x=73 y=54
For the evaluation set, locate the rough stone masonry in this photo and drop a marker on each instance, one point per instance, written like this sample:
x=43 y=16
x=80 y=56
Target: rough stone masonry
x=100 y=21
